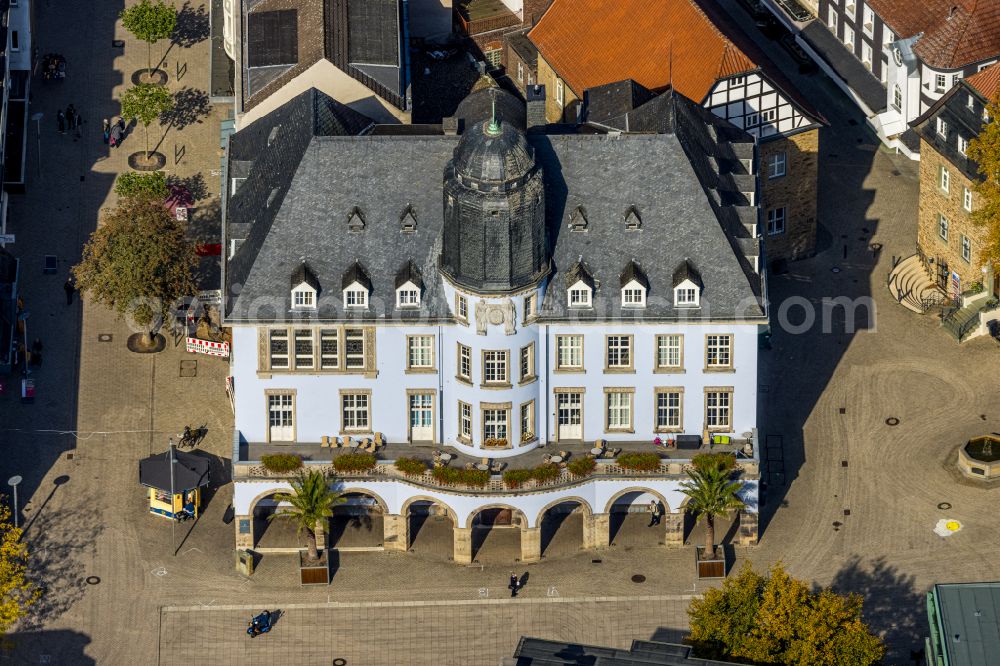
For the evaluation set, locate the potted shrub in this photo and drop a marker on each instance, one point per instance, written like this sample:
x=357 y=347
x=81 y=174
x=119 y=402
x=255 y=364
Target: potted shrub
x=582 y=466
x=411 y=466
x=546 y=473
x=515 y=478
x=639 y=462
x=281 y=463
x=312 y=503
x=354 y=463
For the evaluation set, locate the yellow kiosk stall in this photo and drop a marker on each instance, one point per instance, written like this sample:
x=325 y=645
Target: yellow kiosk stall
x=174 y=479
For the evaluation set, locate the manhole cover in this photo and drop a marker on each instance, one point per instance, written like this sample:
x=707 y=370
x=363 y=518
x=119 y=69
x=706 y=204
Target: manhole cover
x=843 y=410
x=92 y=580
x=638 y=578
x=835 y=269
x=944 y=506
x=892 y=421
x=104 y=337
x=847 y=512
x=69 y=456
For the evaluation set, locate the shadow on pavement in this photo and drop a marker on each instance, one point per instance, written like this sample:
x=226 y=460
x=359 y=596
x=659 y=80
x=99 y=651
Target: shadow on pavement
x=47 y=647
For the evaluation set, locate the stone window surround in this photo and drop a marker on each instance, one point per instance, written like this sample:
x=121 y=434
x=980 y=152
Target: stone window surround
x=267 y=412
x=465 y=379
x=465 y=439
x=560 y=369
x=630 y=391
x=582 y=391
x=967 y=200
x=357 y=431
x=505 y=407
x=264 y=370
x=944 y=179
x=416 y=370
x=530 y=308
x=729 y=367
x=622 y=369
x=667 y=369
x=409 y=423
x=656 y=409
x=943 y=225
x=532 y=365
x=719 y=389
x=505 y=384
x=531 y=423
x=462 y=319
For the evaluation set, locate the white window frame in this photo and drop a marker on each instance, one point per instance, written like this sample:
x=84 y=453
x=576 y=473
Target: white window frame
x=719 y=409
x=408 y=296
x=963 y=146
x=420 y=352
x=967 y=200
x=687 y=295
x=866 y=53
x=966 y=248
x=463 y=367
x=618 y=352
x=832 y=19
x=897 y=98
x=355 y=297
x=530 y=306
x=618 y=411
x=633 y=295
x=464 y=421
x=849 y=36
x=945 y=179
x=569 y=348
x=496 y=424
x=776 y=220
x=940 y=82
x=669 y=351
x=496 y=366
x=526 y=420
x=579 y=296
x=941 y=127
x=669 y=410
x=868 y=21
x=777 y=163
x=943 y=227
x=718 y=351
x=560 y=92
x=526 y=363
x=355 y=411
x=283 y=403
x=303 y=297
x=461 y=307
x=751 y=120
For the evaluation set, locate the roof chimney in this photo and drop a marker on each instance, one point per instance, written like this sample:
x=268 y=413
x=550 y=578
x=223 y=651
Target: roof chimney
x=536 y=106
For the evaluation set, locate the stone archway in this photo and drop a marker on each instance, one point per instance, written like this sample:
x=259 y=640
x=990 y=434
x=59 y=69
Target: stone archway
x=429 y=525
x=496 y=533
x=358 y=522
x=629 y=518
x=272 y=534
x=563 y=526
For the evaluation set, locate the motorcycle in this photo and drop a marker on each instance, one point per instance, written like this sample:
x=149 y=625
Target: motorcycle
x=260 y=624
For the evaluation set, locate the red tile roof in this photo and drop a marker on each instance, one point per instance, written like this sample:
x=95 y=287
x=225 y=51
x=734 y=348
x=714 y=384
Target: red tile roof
x=986 y=82
x=955 y=32
x=593 y=42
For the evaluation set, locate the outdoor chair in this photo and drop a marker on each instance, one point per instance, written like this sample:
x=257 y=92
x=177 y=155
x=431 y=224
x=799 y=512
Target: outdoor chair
x=325 y=442
x=343 y=442
x=546 y=458
x=486 y=461
x=470 y=466
x=379 y=440
x=498 y=466
x=564 y=454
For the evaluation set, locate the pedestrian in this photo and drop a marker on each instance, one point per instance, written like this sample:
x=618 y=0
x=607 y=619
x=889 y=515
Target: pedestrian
x=654 y=513
x=514 y=584
x=78 y=123
x=122 y=126
x=61 y=119
x=69 y=288
x=70 y=116
x=36 y=352
x=115 y=135
x=106 y=125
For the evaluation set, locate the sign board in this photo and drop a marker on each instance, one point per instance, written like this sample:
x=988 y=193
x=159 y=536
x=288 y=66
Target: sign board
x=182 y=213
x=210 y=297
x=6 y=238
x=27 y=389
x=955 y=286
x=199 y=346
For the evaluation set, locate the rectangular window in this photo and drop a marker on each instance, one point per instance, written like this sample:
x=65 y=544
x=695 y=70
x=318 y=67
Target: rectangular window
x=963 y=145
x=940 y=81
x=866 y=54
x=736 y=81
x=461 y=307
x=579 y=297
x=718 y=409
x=619 y=351
x=848 y=37
x=619 y=410
x=970 y=101
x=943 y=227
x=495 y=427
x=278 y=342
x=465 y=421
x=751 y=120
x=559 y=92
x=942 y=128
x=669 y=351
x=464 y=362
x=355 y=411
x=407 y=298
x=718 y=351
x=354 y=348
x=328 y=348
x=528 y=422
x=897 y=98
x=495 y=367
x=869 y=21
x=776 y=221
x=967 y=199
x=945 y=179
x=955 y=78
x=528 y=363
x=831 y=18
x=520 y=71
x=668 y=409
x=887 y=36
x=776 y=163
x=356 y=298
x=281 y=417
x=685 y=296
x=530 y=306
x=302 y=298
x=966 y=248
x=769 y=115
x=15 y=41
x=420 y=352
x=304 y=349
x=569 y=352
x=633 y=297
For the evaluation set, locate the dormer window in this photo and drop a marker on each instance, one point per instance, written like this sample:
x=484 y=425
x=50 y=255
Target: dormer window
x=408 y=222
x=407 y=296
x=632 y=220
x=578 y=219
x=355 y=220
x=634 y=295
x=409 y=286
x=579 y=296
x=356 y=296
x=305 y=287
x=303 y=297
x=687 y=286
x=686 y=296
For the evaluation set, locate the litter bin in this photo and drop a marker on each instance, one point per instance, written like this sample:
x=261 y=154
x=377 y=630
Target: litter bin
x=244 y=562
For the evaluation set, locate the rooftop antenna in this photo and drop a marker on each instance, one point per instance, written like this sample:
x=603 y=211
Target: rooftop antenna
x=494 y=127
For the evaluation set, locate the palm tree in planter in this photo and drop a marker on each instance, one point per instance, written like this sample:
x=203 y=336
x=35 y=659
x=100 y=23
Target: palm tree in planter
x=712 y=492
x=312 y=504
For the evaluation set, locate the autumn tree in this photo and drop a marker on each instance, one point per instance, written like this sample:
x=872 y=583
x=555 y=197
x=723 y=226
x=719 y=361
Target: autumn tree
x=149 y=22
x=985 y=150
x=146 y=103
x=17 y=593
x=138 y=263
x=776 y=619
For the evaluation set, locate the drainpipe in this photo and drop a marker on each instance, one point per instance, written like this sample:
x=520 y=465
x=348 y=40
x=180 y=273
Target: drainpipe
x=440 y=400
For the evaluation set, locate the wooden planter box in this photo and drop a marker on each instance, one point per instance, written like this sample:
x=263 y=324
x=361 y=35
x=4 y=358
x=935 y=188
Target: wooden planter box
x=314 y=573
x=710 y=567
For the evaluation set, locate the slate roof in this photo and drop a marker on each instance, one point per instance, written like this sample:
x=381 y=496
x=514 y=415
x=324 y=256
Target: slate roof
x=685 y=271
x=615 y=99
x=969 y=622
x=524 y=48
x=304 y=274
x=962 y=121
x=633 y=272
x=955 y=33
x=409 y=273
x=356 y=273
x=478 y=106
x=321 y=178
x=542 y=652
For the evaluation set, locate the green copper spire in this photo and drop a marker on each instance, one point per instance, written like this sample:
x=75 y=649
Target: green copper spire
x=493 y=129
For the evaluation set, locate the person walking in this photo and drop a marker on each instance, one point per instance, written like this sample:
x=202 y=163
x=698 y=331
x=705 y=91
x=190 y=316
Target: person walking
x=514 y=584
x=70 y=116
x=106 y=127
x=115 y=135
x=69 y=287
x=654 y=513
x=78 y=123
x=61 y=119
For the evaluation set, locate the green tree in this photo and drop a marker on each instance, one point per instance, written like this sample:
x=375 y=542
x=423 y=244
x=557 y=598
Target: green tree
x=712 y=492
x=985 y=150
x=138 y=263
x=135 y=184
x=17 y=593
x=312 y=504
x=777 y=619
x=146 y=102
x=149 y=22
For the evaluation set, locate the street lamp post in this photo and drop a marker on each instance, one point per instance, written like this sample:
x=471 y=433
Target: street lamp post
x=173 y=513
x=37 y=117
x=12 y=482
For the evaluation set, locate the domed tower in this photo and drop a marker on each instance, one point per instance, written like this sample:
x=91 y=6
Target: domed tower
x=494 y=211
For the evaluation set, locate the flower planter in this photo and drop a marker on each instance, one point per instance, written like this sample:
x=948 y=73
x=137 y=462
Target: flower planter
x=710 y=567
x=314 y=573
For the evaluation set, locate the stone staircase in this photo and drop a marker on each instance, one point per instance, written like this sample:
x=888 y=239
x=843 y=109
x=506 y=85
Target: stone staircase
x=912 y=287
x=962 y=321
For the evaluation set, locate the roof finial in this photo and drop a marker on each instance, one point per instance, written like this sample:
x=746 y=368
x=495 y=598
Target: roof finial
x=494 y=127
